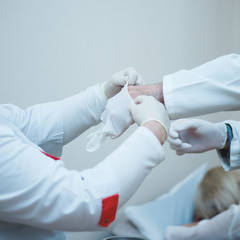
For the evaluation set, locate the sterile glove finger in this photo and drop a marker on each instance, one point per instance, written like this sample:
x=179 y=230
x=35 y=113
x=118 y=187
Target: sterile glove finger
x=173 y=133
x=175 y=147
x=120 y=80
x=174 y=142
x=183 y=147
x=132 y=77
x=139 y=99
x=140 y=80
x=180 y=153
x=132 y=108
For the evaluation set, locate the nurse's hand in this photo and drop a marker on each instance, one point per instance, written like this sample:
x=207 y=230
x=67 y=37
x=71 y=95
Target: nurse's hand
x=150 y=113
x=196 y=136
x=118 y=80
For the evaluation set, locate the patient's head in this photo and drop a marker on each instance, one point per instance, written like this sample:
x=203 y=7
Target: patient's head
x=217 y=191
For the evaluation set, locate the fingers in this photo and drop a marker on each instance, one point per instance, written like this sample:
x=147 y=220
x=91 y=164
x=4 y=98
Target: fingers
x=140 y=80
x=133 y=106
x=140 y=99
x=119 y=79
x=133 y=77
x=184 y=147
x=180 y=153
x=172 y=133
x=179 y=146
x=174 y=142
x=174 y=139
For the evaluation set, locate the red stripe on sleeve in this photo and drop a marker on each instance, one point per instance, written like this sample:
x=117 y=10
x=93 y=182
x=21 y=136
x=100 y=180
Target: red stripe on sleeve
x=51 y=156
x=109 y=210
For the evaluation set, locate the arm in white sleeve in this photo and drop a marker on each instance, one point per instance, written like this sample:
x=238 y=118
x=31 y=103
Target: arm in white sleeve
x=82 y=111
x=209 y=88
x=224 y=226
x=133 y=160
x=51 y=125
x=40 y=192
x=231 y=160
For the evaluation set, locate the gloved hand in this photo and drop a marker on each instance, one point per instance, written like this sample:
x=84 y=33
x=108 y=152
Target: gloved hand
x=196 y=136
x=147 y=108
x=118 y=80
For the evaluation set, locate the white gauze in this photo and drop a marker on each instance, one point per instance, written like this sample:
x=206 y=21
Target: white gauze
x=116 y=119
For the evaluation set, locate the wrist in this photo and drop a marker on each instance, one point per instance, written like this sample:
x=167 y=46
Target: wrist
x=155 y=90
x=223 y=135
x=229 y=137
x=157 y=129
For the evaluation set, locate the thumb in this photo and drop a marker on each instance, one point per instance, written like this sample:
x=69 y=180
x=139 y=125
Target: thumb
x=139 y=99
x=132 y=107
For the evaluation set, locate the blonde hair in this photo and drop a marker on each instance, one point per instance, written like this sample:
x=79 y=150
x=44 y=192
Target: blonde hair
x=217 y=191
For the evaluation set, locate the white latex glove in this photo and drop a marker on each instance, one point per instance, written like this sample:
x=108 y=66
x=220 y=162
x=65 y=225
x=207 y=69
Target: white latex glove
x=147 y=108
x=196 y=136
x=118 y=80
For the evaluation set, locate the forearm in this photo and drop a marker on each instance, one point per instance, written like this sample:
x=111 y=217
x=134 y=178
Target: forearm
x=155 y=90
x=156 y=128
x=40 y=192
x=51 y=125
x=133 y=160
x=82 y=111
x=209 y=88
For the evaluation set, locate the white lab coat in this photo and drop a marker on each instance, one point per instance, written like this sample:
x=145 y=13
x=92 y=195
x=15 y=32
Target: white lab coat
x=209 y=88
x=39 y=197
x=224 y=226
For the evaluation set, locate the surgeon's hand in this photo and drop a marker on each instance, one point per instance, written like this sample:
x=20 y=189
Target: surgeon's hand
x=196 y=136
x=148 y=112
x=118 y=80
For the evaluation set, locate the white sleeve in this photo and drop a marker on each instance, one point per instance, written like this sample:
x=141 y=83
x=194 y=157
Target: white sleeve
x=209 y=88
x=51 y=125
x=224 y=226
x=231 y=160
x=82 y=111
x=40 y=192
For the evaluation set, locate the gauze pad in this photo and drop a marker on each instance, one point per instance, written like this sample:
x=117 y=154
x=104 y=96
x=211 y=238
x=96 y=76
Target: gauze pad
x=116 y=118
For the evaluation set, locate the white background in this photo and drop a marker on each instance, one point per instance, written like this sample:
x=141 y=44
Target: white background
x=51 y=49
